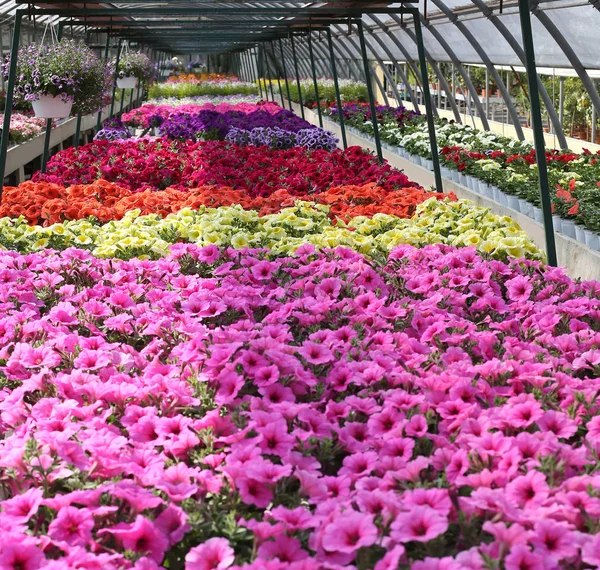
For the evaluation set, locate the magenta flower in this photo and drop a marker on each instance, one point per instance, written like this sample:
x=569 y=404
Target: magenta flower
x=143 y=537
x=315 y=353
x=73 y=526
x=519 y=289
x=528 y=490
x=349 y=532
x=20 y=556
x=420 y=524
x=214 y=554
x=521 y=557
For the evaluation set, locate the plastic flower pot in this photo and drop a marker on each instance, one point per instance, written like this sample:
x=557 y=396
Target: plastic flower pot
x=513 y=202
x=127 y=82
x=568 y=228
x=579 y=233
x=537 y=214
x=485 y=189
x=50 y=107
x=525 y=207
x=592 y=240
x=156 y=131
x=557 y=223
x=462 y=179
x=455 y=175
x=428 y=164
x=502 y=198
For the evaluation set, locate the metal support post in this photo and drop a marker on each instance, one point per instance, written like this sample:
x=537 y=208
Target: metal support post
x=561 y=100
x=112 y=102
x=487 y=93
x=122 y=101
x=538 y=131
x=257 y=76
x=338 y=97
x=428 y=106
x=363 y=49
x=297 y=74
x=314 y=74
x=267 y=72
x=106 y=51
x=277 y=73
x=285 y=75
x=9 y=96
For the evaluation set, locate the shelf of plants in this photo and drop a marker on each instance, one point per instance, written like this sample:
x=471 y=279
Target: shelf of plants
x=495 y=166
x=224 y=348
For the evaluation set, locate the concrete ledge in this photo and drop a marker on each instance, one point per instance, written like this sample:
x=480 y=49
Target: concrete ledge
x=578 y=260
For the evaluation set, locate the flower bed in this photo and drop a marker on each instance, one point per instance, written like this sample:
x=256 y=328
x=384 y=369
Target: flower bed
x=457 y=224
x=188 y=88
x=159 y=164
x=142 y=116
x=350 y=90
x=217 y=124
x=45 y=204
x=231 y=410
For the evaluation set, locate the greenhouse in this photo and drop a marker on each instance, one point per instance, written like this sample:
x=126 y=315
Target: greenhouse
x=300 y=285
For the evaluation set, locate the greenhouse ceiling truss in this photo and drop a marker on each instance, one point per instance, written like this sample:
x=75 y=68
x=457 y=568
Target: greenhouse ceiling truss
x=260 y=36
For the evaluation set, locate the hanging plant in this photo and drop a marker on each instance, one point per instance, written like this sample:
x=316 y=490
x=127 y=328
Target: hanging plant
x=135 y=65
x=66 y=77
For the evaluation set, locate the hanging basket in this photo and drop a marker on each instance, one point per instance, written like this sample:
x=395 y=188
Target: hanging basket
x=50 y=107
x=127 y=82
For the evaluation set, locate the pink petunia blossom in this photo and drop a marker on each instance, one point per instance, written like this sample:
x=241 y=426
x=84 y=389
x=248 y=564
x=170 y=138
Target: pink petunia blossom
x=420 y=524
x=214 y=554
x=73 y=526
x=349 y=532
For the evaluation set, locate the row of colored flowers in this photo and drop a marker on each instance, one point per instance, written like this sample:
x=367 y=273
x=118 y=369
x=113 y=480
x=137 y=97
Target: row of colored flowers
x=42 y=203
x=145 y=116
x=243 y=410
x=453 y=223
x=498 y=167
x=186 y=88
x=350 y=90
x=159 y=163
x=282 y=129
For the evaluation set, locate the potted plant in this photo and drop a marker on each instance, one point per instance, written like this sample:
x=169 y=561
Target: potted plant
x=134 y=67
x=59 y=79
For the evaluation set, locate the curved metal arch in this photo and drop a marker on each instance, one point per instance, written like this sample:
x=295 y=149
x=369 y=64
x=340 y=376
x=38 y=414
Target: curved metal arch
x=461 y=70
x=569 y=52
x=351 y=58
x=303 y=59
x=435 y=66
x=488 y=63
x=347 y=50
x=377 y=80
x=319 y=62
x=373 y=71
x=397 y=67
x=385 y=70
x=511 y=40
x=415 y=70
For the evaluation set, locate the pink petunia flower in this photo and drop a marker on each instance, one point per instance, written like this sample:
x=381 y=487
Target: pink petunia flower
x=73 y=526
x=420 y=524
x=349 y=532
x=141 y=536
x=521 y=558
x=214 y=554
